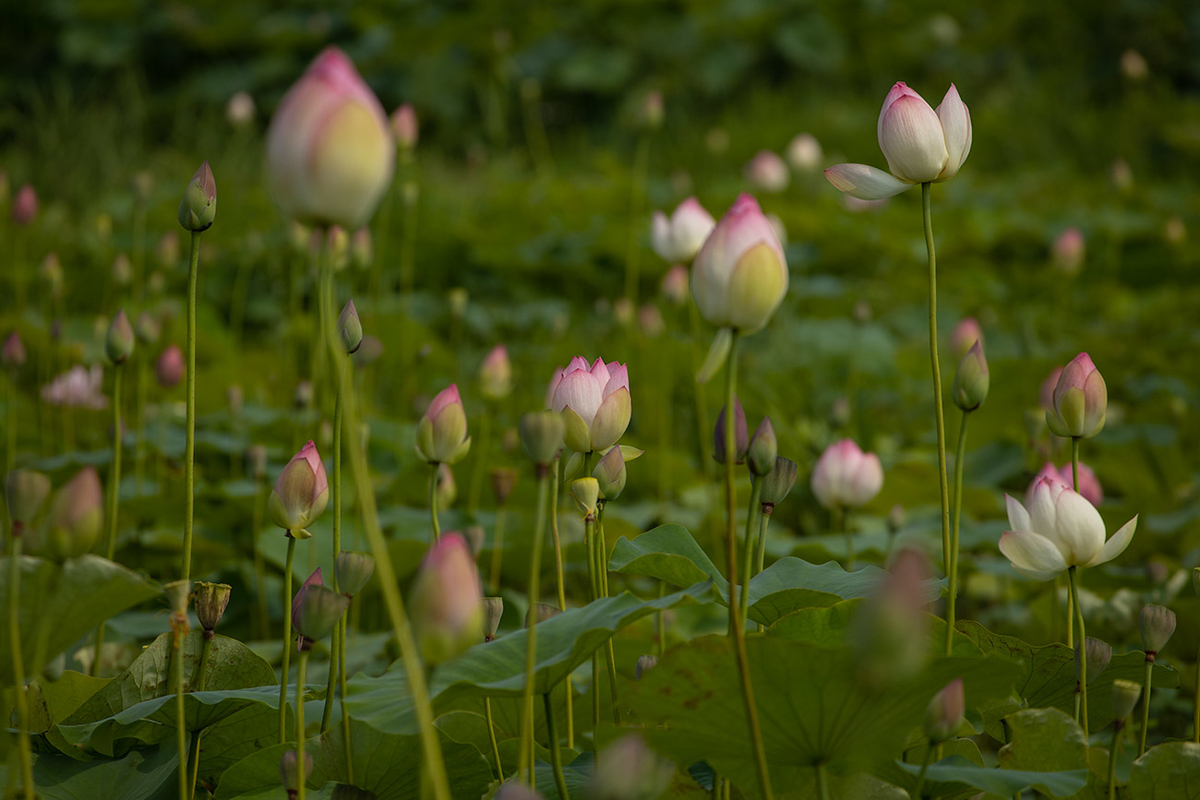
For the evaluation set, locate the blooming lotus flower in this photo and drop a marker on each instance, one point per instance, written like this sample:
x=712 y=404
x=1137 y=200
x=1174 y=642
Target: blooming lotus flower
x=1060 y=529
x=330 y=152
x=767 y=172
x=846 y=477
x=921 y=145
x=301 y=492
x=442 y=432
x=1080 y=400
x=740 y=275
x=679 y=237
x=594 y=403
x=77 y=388
x=447 y=602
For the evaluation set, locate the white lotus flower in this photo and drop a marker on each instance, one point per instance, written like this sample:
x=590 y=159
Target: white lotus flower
x=1060 y=529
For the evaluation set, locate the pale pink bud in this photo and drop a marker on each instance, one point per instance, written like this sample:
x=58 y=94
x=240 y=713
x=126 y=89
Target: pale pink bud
x=1089 y=485
x=301 y=492
x=1048 y=473
x=650 y=320
x=13 y=353
x=910 y=136
x=675 y=285
x=447 y=602
x=239 y=111
x=1069 y=249
x=767 y=172
x=405 y=127
x=442 y=432
x=679 y=237
x=964 y=336
x=495 y=374
x=25 y=205
x=804 y=153
x=170 y=368
x=945 y=712
x=1080 y=400
x=846 y=477
x=594 y=402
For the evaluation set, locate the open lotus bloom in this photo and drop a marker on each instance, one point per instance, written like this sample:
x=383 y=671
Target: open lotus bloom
x=1060 y=529
x=921 y=145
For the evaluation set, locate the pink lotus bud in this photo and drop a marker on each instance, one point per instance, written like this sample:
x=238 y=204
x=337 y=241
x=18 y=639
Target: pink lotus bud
x=316 y=610
x=740 y=275
x=650 y=320
x=804 y=153
x=198 y=206
x=1069 y=249
x=610 y=474
x=239 y=110
x=301 y=492
x=170 y=367
x=628 y=769
x=650 y=111
x=330 y=152
x=679 y=237
x=846 y=477
x=12 y=355
x=767 y=172
x=1133 y=65
x=1089 y=485
x=442 y=432
x=292 y=774
x=964 y=336
x=1051 y=474
x=945 y=712
x=405 y=126
x=362 y=250
x=75 y=518
x=778 y=483
x=118 y=342
x=675 y=285
x=891 y=633
x=446 y=602
x=1080 y=400
x=594 y=402
x=25 y=205
x=741 y=434
x=167 y=250
x=122 y=270
x=495 y=374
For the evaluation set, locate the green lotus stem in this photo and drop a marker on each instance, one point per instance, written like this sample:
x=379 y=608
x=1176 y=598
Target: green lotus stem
x=189 y=456
x=1196 y=699
x=1082 y=661
x=433 y=517
x=1112 y=758
x=485 y=446
x=341 y=634
x=300 y=720
x=555 y=756
x=704 y=430
x=839 y=523
x=555 y=483
x=952 y=598
x=602 y=580
x=287 y=636
x=589 y=535
x=10 y=422
x=18 y=661
x=760 y=546
x=260 y=568
x=114 y=489
x=199 y=680
x=1146 y=704
x=822 y=788
x=179 y=630
x=748 y=544
x=1075 y=462
x=498 y=552
x=535 y=566
x=335 y=641
x=927 y=216
x=736 y=629
x=661 y=622
x=1070 y=613
x=916 y=792
x=331 y=681
x=141 y=359
x=491 y=726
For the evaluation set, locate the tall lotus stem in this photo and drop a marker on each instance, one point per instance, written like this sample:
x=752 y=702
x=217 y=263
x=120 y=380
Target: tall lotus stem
x=1083 y=688
x=300 y=720
x=952 y=598
x=943 y=484
x=189 y=456
x=1112 y=758
x=18 y=661
x=336 y=640
x=491 y=726
x=433 y=514
x=748 y=544
x=114 y=488
x=560 y=780
x=602 y=585
x=535 y=565
x=287 y=635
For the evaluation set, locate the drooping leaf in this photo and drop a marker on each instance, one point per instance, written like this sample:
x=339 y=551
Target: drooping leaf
x=146 y=774
x=960 y=771
x=50 y=702
x=668 y=553
x=1048 y=741
x=1169 y=771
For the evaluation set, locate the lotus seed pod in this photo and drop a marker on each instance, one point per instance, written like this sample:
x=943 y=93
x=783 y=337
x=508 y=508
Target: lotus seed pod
x=1099 y=654
x=493 y=610
x=1125 y=697
x=1156 y=624
x=779 y=481
x=503 y=480
x=353 y=571
x=211 y=601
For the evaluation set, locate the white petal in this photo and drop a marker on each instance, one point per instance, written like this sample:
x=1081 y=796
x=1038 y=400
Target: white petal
x=1116 y=545
x=864 y=182
x=1032 y=554
x=1018 y=517
x=1079 y=527
x=1041 y=509
x=956 y=124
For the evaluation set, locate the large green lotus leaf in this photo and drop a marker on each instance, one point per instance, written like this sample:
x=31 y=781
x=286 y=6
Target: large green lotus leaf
x=60 y=604
x=1048 y=678
x=830 y=627
x=564 y=642
x=956 y=772
x=50 y=702
x=1169 y=771
x=812 y=709
x=1046 y=740
x=146 y=774
x=668 y=553
x=235 y=737
x=387 y=765
x=899 y=774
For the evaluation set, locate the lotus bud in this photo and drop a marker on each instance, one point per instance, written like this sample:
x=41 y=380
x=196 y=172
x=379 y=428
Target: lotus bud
x=458 y=298
x=118 y=343
x=25 y=205
x=447 y=604
x=515 y=790
x=945 y=712
x=1080 y=400
x=51 y=271
x=1122 y=175
x=891 y=630
x=75 y=518
x=198 y=208
x=741 y=434
x=1156 y=624
x=291 y=773
x=179 y=594
x=545 y=611
x=122 y=270
x=964 y=336
x=211 y=601
x=495 y=374
x=542 y=435
x=610 y=474
x=1196 y=579
x=147 y=329
x=650 y=111
x=971 y=380
x=239 y=109
x=644 y=665
x=846 y=477
x=493 y=610
x=1069 y=249
x=316 y=610
x=362 y=251
x=442 y=432
x=804 y=153
x=350 y=327
x=763 y=449
x=678 y=238
x=1125 y=697
x=777 y=483
x=405 y=126
x=301 y=492
x=302 y=397
x=13 y=353
x=740 y=275
x=25 y=491
x=1089 y=484
x=895 y=519
x=256 y=458
x=594 y=401
x=586 y=492
x=767 y=172
x=1098 y=655
x=353 y=571
x=170 y=369
x=166 y=252
x=503 y=480
x=236 y=399
x=651 y=321
x=1133 y=65
x=675 y=285
x=447 y=487
x=629 y=770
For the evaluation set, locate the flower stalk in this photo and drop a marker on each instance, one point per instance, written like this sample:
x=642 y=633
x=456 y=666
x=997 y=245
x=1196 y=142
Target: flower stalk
x=287 y=635
x=943 y=484
x=535 y=565
x=18 y=662
x=189 y=456
x=952 y=598
x=1083 y=688
x=114 y=488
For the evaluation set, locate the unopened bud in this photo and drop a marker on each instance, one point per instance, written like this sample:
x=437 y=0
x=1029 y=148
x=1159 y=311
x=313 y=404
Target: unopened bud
x=211 y=601
x=25 y=491
x=290 y=772
x=586 y=492
x=644 y=665
x=447 y=487
x=611 y=474
x=446 y=601
x=198 y=208
x=542 y=435
x=147 y=328
x=118 y=343
x=741 y=434
x=493 y=610
x=503 y=479
x=76 y=516
x=316 y=611
x=945 y=712
x=629 y=770
x=763 y=449
x=169 y=369
x=350 y=328
x=1098 y=655
x=495 y=374
x=13 y=353
x=1156 y=624
x=353 y=571
x=777 y=483
x=971 y=380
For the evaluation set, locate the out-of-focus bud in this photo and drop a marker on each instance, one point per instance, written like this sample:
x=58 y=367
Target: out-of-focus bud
x=515 y=790
x=457 y=298
x=75 y=518
x=362 y=251
x=779 y=228
x=767 y=172
x=1133 y=65
x=51 y=272
x=236 y=399
x=778 y=483
x=256 y=459
x=675 y=285
x=623 y=311
x=122 y=270
x=895 y=518
x=405 y=126
x=170 y=367
x=447 y=487
x=741 y=434
x=291 y=774
x=890 y=633
x=1046 y=392
x=629 y=770
x=350 y=327
x=1069 y=250
x=1156 y=624
x=118 y=343
x=586 y=492
x=316 y=610
x=13 y=353
x=353 y=571
x=945 y=712
x=1122 y=175
x=610 y=474
x=763 y=449
x=1098 y=655
x=846 y=477
x=964 y=336
x=544 y=612
x=1125 y=697
x=542 y=435
x=493 y=610
x=167 y=250
x=211 y=602
x=25 y=205
x=447 y=603
x=650 y=320
x=495 y=374
x=239 y=110
x=678 y=238
x=475 y=534
x=198 y=208
x=337 y=246
x=301 y=492
x=1089 y=484
x=650 y=111
x=1080 y=400
x=503 y=480
x=740 y=275
x=1175 y=231
x=442 y=432
x=971 y=380
x=302 y=397
x=644 y=665
x=25 y=491
x=804 y=153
